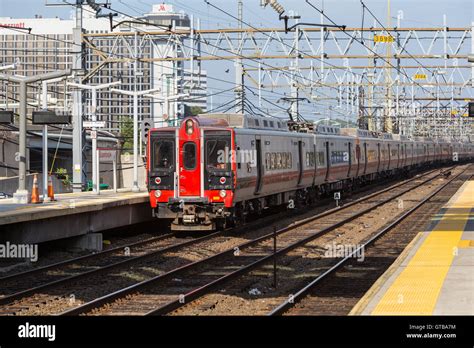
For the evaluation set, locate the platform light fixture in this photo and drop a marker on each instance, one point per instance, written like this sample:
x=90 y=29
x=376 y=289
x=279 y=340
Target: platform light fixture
x=6 y=117
x=49 y=117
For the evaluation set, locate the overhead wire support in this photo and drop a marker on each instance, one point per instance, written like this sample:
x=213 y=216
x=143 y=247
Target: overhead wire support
x=375 y=53
x=288 y=29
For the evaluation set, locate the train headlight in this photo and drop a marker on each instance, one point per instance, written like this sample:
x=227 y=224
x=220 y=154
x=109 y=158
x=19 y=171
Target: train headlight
x=189 y=127
x=157 y=193
x=158 y=180
x=222 y=193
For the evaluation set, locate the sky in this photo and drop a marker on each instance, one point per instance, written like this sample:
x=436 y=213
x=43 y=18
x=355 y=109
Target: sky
x=419 y=12
x=416 y=13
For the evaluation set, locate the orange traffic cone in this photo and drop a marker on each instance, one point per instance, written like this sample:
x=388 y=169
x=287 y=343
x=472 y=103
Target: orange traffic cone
x=50 y=188
x=35 y=198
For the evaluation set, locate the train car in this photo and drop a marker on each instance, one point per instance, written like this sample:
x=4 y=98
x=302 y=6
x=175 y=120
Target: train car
x=216 y=169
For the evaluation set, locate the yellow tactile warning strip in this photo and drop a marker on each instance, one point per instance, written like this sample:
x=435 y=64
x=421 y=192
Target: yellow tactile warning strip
x=415 y=291
x=464 y=243
x=370 y=294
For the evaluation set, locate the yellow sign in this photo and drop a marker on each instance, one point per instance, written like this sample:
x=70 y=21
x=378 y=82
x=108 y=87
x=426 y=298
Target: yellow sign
x=383 y=38
x=420 y=76
x=454 y=112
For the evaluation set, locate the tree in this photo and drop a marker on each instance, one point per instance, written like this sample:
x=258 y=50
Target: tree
x=192 y=110
x=126 y=132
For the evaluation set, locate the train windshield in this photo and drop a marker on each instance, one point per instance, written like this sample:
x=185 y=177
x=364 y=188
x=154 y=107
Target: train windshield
x=218 y=153
x=163 y=154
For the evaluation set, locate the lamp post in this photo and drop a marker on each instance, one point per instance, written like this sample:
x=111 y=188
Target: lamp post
x=94 y=90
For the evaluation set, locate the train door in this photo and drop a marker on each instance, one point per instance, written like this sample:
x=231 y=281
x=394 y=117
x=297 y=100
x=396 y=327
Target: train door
x=398 y=155
x=315 y=162
x=258 y=148
x=300 y=162
x=365 y=158
x=389 y=156
x=358 y=159
x=379 y=155
x=406 y=155
x=328 y=160
x=189 y=167
x=349 y=150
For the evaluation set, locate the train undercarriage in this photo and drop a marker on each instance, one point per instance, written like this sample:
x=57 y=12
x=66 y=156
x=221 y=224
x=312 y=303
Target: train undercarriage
x=197 y=214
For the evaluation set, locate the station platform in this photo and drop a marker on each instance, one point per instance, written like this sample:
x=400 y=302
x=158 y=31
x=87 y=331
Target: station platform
x=72 y=214
x=435 y=273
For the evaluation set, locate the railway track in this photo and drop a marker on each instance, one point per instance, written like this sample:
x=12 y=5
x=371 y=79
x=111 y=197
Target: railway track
x=339 y=288
x=296 y=269
x=14 y=286
x=171 y=290
x=60 y=281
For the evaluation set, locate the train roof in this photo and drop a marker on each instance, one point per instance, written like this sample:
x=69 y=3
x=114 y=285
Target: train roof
x=256 y=122
x=249 y=121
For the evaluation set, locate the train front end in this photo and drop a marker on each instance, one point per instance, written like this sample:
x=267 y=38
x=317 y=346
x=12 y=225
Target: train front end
x=191 y=173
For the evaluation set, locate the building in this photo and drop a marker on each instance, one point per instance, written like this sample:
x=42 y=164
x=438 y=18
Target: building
x=49 y=48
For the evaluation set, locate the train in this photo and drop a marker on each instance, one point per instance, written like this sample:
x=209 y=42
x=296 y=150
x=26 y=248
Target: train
x=213 y=170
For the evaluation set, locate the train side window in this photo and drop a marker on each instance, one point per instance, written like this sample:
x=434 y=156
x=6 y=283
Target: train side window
x=320 y=158
x=267 y=161
x=371 y=155
x=272 y=161
x=309 y=159
x=189 y=155
x=290 y=161
x=278 y=160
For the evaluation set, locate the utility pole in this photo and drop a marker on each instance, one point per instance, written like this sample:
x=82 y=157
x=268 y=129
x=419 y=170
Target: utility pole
x=21 y=195
x=93 y=89
x=388 y=127
x=239 y=66
x=78 y=173
x=44 y=105
x=135 y=94
x=294 y=83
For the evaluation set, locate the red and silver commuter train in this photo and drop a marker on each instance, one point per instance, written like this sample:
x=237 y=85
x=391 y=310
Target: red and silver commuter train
x=218 y=168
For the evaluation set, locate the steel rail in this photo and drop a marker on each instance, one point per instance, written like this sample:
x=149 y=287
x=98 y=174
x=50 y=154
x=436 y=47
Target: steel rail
x=298 y=296
x=120 y=293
